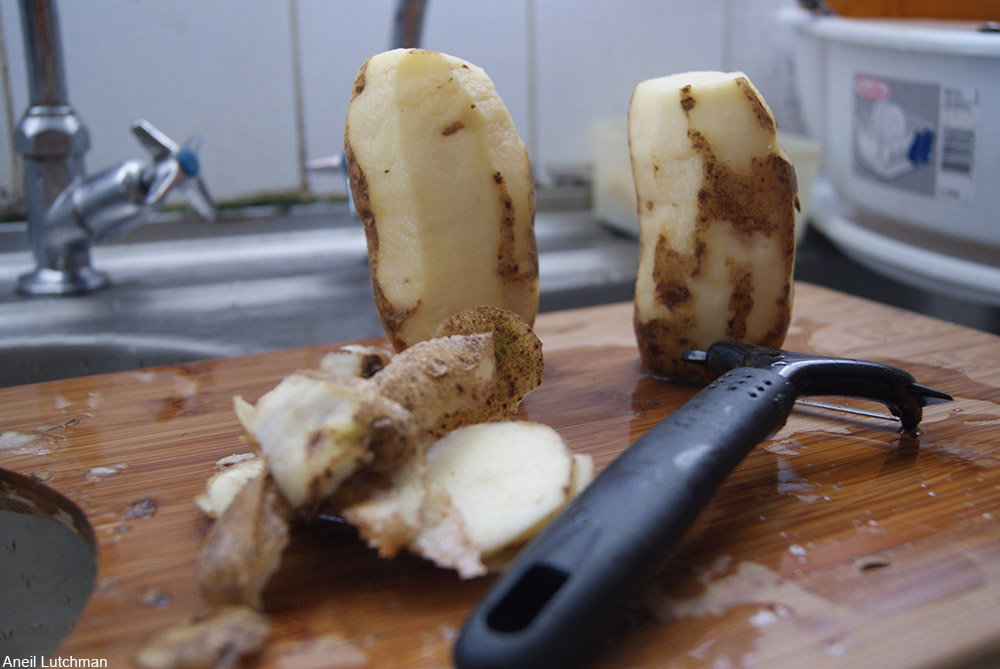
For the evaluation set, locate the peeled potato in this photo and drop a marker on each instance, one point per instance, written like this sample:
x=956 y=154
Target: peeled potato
x=717 y=198
x=443 y=185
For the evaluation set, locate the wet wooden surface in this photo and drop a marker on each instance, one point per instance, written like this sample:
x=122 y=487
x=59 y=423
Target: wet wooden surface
x=839 y=542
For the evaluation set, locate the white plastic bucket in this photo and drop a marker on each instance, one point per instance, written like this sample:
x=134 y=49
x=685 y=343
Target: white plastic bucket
x=909 y=116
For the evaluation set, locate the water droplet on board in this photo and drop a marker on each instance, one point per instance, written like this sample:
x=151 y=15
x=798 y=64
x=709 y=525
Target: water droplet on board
x=763 y=618
x=141 y=509
x=871 y=562
x=791 y=483
x=155 y=598
x=835 y=649
x=784 y=447
x=96 y=474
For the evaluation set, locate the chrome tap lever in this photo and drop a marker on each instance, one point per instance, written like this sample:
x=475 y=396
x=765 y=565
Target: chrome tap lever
x=173 y=167
x=106 y=205
x=121 y=197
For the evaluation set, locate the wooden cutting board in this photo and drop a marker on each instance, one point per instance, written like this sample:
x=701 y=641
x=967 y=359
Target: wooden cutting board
x=837 y=543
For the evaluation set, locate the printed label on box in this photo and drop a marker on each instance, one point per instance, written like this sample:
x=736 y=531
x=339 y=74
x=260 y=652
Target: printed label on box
x=915 y=136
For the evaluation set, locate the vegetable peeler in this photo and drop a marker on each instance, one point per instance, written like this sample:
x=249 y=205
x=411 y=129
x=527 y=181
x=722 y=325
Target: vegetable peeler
x=547 y=608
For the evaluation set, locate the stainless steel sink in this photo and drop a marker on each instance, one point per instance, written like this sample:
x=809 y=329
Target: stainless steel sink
x=65 y=356
x=255 y=281
x=48 y=568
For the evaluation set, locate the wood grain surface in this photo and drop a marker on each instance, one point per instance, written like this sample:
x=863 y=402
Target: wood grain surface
x=839 y=542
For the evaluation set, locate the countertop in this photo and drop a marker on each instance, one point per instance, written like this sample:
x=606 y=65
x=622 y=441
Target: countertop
x=838 y=542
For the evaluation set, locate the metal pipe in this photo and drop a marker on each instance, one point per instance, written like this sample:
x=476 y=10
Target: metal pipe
x=408 y=24
x=43 y=48
x=52 y=140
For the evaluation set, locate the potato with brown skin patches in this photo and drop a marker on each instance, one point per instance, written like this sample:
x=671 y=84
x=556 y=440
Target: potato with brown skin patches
x=716 y=203
x=443 y=185
x=518 y=354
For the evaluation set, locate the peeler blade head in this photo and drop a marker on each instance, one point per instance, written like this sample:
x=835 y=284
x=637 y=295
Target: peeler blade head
x=929 y=395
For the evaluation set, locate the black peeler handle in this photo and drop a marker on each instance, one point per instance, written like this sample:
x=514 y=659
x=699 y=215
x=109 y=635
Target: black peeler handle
x=549 y=605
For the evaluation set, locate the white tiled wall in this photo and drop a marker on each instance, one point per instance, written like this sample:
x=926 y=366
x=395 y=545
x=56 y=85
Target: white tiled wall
x=224 y=70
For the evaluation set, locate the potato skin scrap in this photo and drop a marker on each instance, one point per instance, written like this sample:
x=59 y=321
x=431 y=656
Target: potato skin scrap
x=491 y=487
x=519 y=360
x=224 y=485
x=439 y=377
x=243 y=547
x=355 y=360
x=443 y=185
x=315 y=430
x=222 y=638
x=385 y=507
x=443 y=538
x=717 y=200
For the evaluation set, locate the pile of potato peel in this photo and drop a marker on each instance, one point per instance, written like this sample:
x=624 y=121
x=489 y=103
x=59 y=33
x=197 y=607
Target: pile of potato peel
x=404 y=445
x=419 y=450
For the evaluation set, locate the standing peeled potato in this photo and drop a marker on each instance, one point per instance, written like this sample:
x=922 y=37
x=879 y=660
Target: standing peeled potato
x=716 y=197
x=442 y=183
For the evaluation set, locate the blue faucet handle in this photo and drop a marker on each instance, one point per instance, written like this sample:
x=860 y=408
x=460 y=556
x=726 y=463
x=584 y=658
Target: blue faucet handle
x=173 y=167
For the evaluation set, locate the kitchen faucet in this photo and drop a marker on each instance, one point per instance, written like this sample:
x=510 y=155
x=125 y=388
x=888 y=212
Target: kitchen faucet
x=66 y=211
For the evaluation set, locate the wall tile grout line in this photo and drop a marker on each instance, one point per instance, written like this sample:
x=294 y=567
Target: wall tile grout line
x=531 y=45
x=12 y=199
x=300 y=120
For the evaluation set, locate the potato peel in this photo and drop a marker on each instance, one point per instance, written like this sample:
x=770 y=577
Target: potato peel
x=220 y=639
x=316 y=430
x=244 y=545
x=518 y=359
